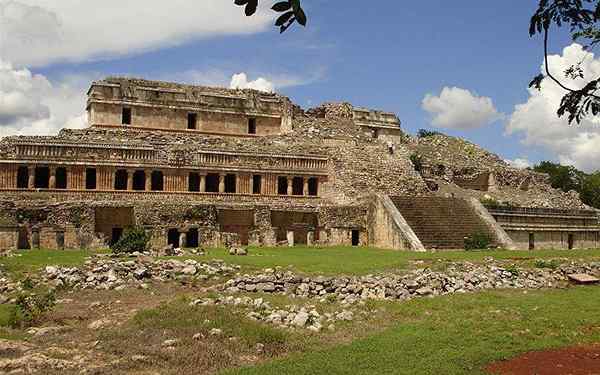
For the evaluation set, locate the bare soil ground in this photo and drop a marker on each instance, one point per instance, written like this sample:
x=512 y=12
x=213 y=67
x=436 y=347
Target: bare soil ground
x=580 y=360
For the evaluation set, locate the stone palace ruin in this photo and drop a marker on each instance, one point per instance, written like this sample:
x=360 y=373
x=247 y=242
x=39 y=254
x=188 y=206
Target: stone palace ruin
x=199 y=166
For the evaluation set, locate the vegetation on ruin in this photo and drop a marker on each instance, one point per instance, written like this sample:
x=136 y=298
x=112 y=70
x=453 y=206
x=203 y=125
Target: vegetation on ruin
x=478 y=241
x=134 y=239
x=424 y=133
x=569 y=178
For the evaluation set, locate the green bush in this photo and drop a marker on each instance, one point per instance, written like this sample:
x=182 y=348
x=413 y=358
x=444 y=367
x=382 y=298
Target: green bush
x=417 y=162
x=478 y=241
x=29 y=308
x=489 y=202
x=134 y=239
x=514 y=271
x=424 y=133
x=552 y=264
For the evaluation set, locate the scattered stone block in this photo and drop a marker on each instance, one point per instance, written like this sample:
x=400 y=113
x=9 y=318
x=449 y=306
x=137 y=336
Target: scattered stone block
x=582 y=278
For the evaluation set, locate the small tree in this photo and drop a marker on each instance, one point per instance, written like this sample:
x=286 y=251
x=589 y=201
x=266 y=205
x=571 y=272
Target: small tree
x=134 y=239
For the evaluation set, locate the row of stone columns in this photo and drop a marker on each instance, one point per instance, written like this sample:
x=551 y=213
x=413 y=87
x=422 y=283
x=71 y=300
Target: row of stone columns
x=290 y=185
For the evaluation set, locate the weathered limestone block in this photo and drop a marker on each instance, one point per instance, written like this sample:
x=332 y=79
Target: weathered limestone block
x=290 y=238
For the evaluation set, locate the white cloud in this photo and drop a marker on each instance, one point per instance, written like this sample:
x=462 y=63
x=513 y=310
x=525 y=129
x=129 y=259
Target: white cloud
x=240 y=81
x=30 y=104
x=457 y=108
x=38 y=32
x=538 y=124
x=520 y=163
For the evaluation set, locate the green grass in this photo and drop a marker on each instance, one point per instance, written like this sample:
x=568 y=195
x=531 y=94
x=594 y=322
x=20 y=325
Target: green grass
x=6 y=311
x=457 y=334
x=363 y=260
x=30 y=261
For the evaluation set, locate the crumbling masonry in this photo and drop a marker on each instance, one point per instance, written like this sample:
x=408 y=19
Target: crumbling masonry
x=201 y=166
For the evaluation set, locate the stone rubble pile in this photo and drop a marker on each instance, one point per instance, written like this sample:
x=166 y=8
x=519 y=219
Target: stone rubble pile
x=291 y=316
x=101 y=273
x=7 y=287
x=458 y=278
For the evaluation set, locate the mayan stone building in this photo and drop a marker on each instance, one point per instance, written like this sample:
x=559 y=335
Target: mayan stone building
x=199 y=166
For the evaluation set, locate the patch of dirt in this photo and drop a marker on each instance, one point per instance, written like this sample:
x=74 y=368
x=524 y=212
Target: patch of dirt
x=581 y=360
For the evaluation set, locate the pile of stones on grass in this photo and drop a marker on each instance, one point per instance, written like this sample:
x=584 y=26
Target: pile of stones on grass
x=106 y=273
x=290 y=316
x=7 y=287
x=457 y=278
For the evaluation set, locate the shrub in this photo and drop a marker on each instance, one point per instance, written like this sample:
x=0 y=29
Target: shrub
x=417 y=162
x=552 y=264
x=514 y=271
x=424 y=133
x=29 y=308
x=489 y=202
x=478 y=241
x=133 y=239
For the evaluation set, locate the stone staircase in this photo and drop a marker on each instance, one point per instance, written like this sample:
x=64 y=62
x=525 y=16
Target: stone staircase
x=440 y=223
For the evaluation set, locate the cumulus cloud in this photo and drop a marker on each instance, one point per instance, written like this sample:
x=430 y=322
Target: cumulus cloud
x=537 y=123
x=39 y=32
x=240 y=81
x=30 y=104
x=520 y=163
x=457 y=108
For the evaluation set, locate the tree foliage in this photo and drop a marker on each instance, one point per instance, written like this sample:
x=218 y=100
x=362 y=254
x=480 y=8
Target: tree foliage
x=581 y=18
x=569 y=178
x=291 y=11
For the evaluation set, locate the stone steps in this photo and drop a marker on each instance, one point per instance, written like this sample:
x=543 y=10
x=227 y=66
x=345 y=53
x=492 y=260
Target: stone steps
x=440 y=223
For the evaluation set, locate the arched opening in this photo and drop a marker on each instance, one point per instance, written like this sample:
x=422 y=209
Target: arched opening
x=192 y=238
x=22 y=178
x=61 y=178
x=42 y=177
x=173 y=237
x=194 y=182
x=157 y=183
x=139 y=180
x=120 y=179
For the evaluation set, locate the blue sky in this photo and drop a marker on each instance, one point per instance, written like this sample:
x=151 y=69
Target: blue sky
x=388 y=55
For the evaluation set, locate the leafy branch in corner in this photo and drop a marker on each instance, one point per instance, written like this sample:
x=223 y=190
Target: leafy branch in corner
x=291 y=12
x=581 y=16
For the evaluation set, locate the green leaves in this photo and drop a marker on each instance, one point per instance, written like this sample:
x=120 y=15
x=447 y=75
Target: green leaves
x=291 y=9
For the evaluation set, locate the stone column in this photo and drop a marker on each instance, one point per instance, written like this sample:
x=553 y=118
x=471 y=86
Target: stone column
x=31 y=174
x=52 y=181
x=148 y=175
x=203 y=183
x=290 y=189
x=310 y=238
x=130 y=179
x=305 y=189
x=290 y=238
x=182 y=239
x=113 y=177
x=221 y=182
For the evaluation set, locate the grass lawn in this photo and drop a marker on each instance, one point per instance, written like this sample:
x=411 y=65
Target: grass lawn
x=364 y=260
x=32 y=260
x=457 y=334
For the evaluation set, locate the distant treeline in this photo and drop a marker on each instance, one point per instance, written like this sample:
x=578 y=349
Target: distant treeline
x=570 y=178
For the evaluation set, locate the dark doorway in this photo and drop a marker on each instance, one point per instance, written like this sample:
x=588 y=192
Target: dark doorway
x=313 y=186
x=192 y=238
x=251 y=126
x=571 y=241
x=22 y=178
x=157 y=181
x=531 y=241
x=212 y=183
x=121 y=179
x=355 y=237
x=60 y=239
x=194 y=182
x=230 y=183
x=42 y=177
x=192 y=121
x=297 y=186
x=282 y=185
x=126 y=116
x=61 y=178
x=23 y=239
x=90 y=178
x=256 y=184
x=173 y=237
x=116 y=235
x=139 y=180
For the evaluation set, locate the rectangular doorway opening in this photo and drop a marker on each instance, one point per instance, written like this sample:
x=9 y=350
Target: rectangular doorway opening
x=42 y=178
x=194 y=182
x=90 y=178
x=121 y=179
x=126 y=116
x=531 y=241
x=251 y=126
x=212 y=183
x=256 y=184
x=355 y=237
x=23 y=239
x=282 y=185
x=60 y=240
x=22 y=178
x=571 y=241
x=192 y=121
x=61 y=178
x=173 y=238
x=192 y=238
x=116 y=235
